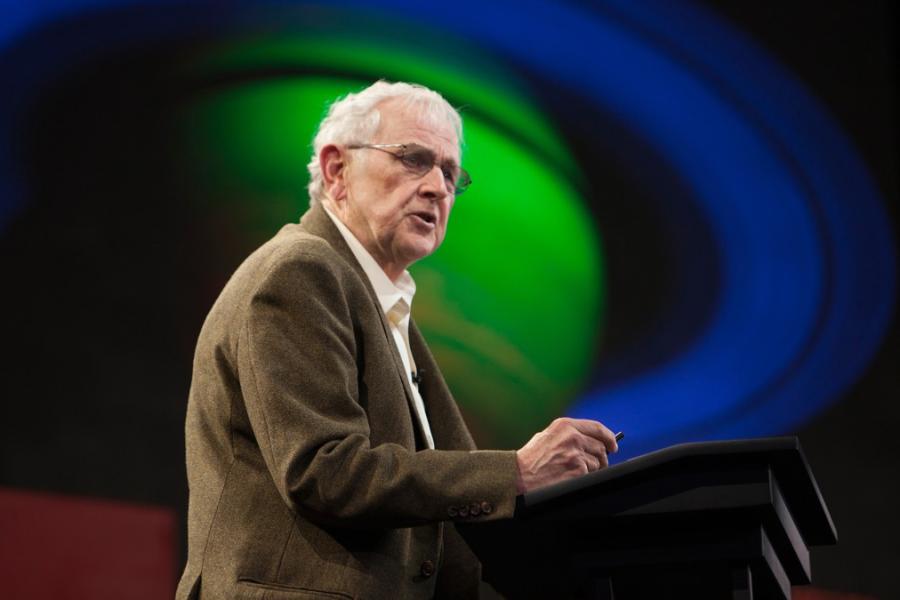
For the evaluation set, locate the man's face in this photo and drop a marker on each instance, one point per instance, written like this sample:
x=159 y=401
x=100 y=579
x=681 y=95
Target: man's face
x=399 y=216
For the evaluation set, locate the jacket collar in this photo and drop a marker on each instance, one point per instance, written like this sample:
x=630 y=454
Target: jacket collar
x=317 y=222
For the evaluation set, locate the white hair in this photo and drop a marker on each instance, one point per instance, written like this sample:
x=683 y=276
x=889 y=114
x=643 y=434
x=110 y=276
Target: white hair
x=354 y=119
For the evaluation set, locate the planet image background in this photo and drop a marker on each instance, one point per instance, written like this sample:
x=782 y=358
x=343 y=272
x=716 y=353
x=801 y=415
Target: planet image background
x=684 y=244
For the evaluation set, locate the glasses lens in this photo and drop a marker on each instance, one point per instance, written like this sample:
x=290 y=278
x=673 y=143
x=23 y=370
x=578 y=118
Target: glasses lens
x=420 y=160
x=417 y=159
x=463 y=181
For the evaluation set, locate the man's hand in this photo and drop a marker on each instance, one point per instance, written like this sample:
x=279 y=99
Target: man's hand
x=567 y=448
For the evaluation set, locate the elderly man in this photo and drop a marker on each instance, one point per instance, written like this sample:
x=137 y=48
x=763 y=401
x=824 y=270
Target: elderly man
x=326 y=457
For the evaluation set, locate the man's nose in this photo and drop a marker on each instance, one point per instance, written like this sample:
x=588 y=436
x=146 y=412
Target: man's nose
x=433 y=184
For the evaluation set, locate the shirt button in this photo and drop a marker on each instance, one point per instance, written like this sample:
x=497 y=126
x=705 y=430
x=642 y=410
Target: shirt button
x=427 y=569
x=475 y=509
x=487 y=507
x=464 y=511
x=452 y=512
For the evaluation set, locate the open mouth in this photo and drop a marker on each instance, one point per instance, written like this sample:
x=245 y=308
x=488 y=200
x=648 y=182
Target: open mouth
x=426 y=216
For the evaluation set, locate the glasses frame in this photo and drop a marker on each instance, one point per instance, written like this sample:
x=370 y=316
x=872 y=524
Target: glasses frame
x=460 y=184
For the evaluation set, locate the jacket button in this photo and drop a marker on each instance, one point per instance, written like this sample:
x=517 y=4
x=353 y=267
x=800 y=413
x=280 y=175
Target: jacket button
x=464 y=511
x=475 y=509
x=487 y=507
x=452 y=512
x=427 y=569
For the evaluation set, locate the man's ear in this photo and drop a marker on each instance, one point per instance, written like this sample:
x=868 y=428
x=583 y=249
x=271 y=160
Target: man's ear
x=333 y=164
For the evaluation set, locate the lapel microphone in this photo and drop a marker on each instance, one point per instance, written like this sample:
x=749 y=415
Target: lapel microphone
x=417 y=376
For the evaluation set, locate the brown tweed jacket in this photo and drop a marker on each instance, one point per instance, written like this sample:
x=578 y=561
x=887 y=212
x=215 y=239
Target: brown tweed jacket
x=306 y=473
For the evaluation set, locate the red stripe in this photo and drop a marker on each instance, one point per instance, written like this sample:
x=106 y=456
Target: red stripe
x=70 y=548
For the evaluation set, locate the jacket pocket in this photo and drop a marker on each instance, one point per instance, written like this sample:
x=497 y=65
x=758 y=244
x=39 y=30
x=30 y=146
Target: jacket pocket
x=252 y=589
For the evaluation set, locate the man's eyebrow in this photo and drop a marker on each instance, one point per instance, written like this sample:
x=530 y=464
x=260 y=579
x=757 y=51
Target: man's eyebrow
x=450 y=163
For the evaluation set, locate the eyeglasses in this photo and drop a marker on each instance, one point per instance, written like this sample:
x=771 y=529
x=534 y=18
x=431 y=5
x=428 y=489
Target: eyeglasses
x=419 y=160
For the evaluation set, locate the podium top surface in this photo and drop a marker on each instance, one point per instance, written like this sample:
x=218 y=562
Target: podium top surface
x=783 y=454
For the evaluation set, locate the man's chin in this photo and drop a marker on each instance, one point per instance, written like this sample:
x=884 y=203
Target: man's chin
x=420 y=247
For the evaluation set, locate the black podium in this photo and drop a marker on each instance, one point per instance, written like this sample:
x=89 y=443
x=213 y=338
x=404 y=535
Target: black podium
x=711 y=520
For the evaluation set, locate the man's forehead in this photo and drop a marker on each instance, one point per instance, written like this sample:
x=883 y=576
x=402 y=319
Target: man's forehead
x=414 y=125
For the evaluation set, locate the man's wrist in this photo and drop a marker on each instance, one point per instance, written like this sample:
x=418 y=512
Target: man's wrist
x=520 y=481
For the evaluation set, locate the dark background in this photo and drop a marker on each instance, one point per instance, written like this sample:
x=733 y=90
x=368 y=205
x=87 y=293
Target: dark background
x=95 y=355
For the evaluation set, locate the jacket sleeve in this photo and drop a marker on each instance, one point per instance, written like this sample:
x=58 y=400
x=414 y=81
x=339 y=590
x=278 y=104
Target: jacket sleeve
x=297 y=363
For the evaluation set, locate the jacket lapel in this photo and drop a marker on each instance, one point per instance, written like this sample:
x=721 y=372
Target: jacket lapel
x=448 y=428
x=317 y=222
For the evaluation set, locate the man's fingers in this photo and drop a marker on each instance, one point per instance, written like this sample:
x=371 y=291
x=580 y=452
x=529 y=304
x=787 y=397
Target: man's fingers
x=592 y=446
x=597 y=431
x=592 y=462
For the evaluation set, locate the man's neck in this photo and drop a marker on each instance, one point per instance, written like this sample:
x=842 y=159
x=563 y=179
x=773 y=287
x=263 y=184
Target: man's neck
x=391 y=269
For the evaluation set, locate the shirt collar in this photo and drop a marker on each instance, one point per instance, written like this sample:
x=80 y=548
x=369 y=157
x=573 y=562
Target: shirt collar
x=389 y=293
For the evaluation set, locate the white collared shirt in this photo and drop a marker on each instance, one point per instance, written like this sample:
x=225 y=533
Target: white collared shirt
x=396 y=302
